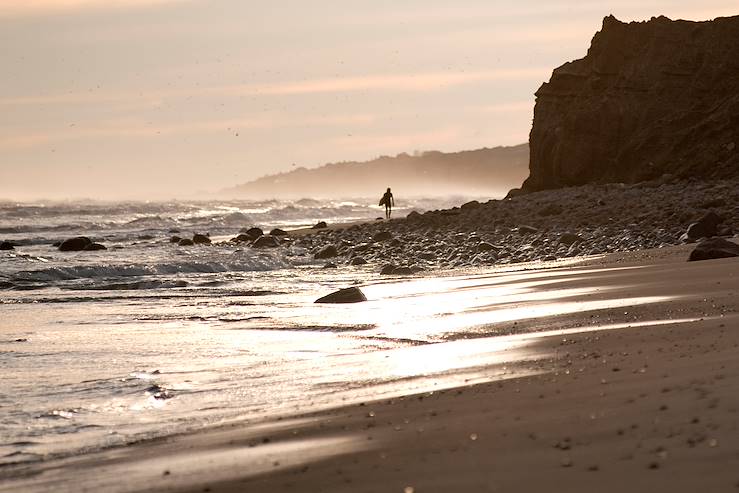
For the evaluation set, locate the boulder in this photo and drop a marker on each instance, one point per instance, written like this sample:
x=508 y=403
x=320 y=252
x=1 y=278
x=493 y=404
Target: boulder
x=329 y=251
x=243 y=237
x=473 y=204
x=382 y=236
x=92 y=247
x=402 y=271
x=357 y=261
x=199 y=239
x=413 y=216
x=569 y=239
x=712 y=248
x=320 y=225
x=76 y=244
x=6 y=245
x=387 y=270
x=252 y=233
x=347 y=295
x=705 y=227
x=266 y=241
x=185 y=242
x=278 y=232
x=527 y=230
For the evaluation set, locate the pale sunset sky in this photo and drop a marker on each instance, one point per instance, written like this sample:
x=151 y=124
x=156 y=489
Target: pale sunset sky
x=112 y=99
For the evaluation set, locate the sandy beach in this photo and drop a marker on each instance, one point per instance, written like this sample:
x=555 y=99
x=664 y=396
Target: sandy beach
x=638 y=395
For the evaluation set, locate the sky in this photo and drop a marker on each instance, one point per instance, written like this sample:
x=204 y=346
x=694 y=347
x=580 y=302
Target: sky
x=151 y=99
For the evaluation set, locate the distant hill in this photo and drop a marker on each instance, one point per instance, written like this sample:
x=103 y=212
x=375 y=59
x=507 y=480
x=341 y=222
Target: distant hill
x=482 y=172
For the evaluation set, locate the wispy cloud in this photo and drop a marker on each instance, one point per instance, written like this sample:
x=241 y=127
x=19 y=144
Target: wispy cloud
x=402 y=83
x=13 y=8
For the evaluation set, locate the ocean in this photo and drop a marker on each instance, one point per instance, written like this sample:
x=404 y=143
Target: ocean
x=148 y=339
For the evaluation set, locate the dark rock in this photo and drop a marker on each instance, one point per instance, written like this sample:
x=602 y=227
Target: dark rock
x=199 y=239
x=357 y=261
x=705 y=227
x=278 y=232
x=185 y=242
x=514 y=192
x=266 y=241
x=527 y=230
x=329 y=265
x=320 y=225
x=486 y=247
x=75 y=244
x=569 y=239
x=56 y=244
x=712 y=248
x=243 y=237
x=427 y=255
x=6 y=245
x=252 y=233
x=175 y=239
x=347 y=295
x=413 y=216
x=94 y=247
x=382 y=236
x=402 y=271
x=387 y=270
x=474 y=204
x=327 y=252
x=649 y=98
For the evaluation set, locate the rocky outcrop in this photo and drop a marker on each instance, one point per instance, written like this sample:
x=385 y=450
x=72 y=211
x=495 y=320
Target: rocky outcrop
x=712 y=248
x=650 y=98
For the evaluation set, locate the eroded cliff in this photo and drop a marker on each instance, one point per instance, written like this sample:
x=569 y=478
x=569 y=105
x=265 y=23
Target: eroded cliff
x=649 y=98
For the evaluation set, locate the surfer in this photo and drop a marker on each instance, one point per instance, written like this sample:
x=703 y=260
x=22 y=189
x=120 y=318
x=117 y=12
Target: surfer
x=388 y=201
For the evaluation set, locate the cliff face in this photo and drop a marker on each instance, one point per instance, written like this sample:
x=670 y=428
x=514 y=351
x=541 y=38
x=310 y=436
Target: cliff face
x=649 y=98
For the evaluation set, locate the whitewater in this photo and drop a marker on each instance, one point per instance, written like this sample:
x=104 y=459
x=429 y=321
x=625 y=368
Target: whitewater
x=148 y=339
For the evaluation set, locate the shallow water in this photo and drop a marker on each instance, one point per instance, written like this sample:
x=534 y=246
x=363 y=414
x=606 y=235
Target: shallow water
x=105 y=348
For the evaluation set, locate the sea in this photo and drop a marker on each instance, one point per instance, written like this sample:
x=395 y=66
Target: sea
x=147 y=339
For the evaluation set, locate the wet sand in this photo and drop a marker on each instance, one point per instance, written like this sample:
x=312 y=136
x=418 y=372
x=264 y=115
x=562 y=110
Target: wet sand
x=649 y=405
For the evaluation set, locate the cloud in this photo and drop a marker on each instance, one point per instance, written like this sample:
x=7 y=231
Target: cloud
x=18 y=8
x=407 y=82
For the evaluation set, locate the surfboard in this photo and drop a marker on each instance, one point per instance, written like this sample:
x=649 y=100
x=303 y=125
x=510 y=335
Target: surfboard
x=382 y=201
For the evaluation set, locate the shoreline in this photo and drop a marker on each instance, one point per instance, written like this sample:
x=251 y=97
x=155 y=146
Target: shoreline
x=378 y=446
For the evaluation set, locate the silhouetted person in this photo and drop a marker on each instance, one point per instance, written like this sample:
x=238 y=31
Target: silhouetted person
x=389 y=202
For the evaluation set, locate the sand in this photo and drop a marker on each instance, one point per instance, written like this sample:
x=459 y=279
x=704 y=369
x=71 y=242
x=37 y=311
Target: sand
x=648 y=405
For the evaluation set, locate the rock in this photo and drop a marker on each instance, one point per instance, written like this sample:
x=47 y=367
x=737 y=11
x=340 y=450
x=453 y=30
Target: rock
x=413 y=216
x=347 y=295
x=527 y=230
x=242 y=238
x=320 y=225
x=174 y=239
x=649 y=98
x=473 y=204
x=569 y=239
x=712 y=248
x=485 y=247
x=402 y=271
x=6 y=245
x=76 y=244
x=266 y=241
x=199 y=239
x=252 y=233
x=327 y=252
x=705 y=227
x=427 y=255
x=278 y=232
x=382 y=236
x=357 y=261
x=329 y=265
x=94 y=247
x=387 y=270
x=185 y=242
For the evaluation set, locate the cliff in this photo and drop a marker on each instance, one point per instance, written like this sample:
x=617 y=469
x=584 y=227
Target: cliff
x=483 y=172
x=650 y=98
